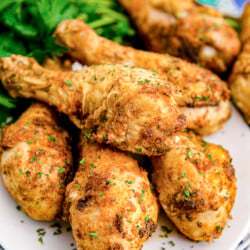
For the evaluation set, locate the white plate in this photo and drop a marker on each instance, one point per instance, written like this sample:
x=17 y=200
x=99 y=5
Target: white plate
x=17 y=231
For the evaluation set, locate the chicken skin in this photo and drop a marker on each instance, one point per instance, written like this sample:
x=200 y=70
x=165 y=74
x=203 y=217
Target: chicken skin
x=184 y=29
x=239 y=80
x=204 y=98
x=36 y=162
x=196 y=186
x=110 y=204
x=129 y=108
x=58 y=63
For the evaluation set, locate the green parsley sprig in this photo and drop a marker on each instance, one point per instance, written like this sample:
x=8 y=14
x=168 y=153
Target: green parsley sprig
x=26 y=28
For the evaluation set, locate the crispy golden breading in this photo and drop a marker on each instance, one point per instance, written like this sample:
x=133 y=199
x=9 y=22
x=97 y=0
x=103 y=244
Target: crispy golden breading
x=36 y=162
x=173 y=7
x=58 y=64
x=196 y=186
x=110 y=204
x=199 y=87
x=184 y=29
x=245 y=24
x=207 y=119
x=239 y=80
x=129 y=108
x=192 y=81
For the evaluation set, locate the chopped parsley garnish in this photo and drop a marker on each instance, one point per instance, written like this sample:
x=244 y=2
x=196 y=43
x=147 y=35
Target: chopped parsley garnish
x=57 y=232
x=29 y=32
x=39 y=175
x=58 y=228
x=171 y=243
x=166 y=229
x=82 y=161
x=190 y=155
x=61 y=170
x=52 y=138
x=139 y=149
x=87 y=136
x=101 y=194
x=202 y=29
x=210 y=156
x=204 y=143
x=27 y=123
x=94 y=235
x=183 y=174
x=29 y=142
x=203 y=38
x=16 y=154
x=78 y=185
x=41 y=232
x=93 y=165
x=68 y=82
x=142 y=194
x=40 y=239
x=129 y=182
x=20 y=171
x=186 y=192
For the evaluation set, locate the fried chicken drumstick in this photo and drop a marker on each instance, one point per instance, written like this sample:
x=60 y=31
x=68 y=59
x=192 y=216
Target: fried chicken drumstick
x=184 y=29
x=35 y=162
x=110 y=204
x=129 y=108
x=239 y=80
x=196 y=186
x=205 y=98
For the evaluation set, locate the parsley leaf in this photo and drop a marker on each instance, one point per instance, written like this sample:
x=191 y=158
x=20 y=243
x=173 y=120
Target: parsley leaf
x=27 y=26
